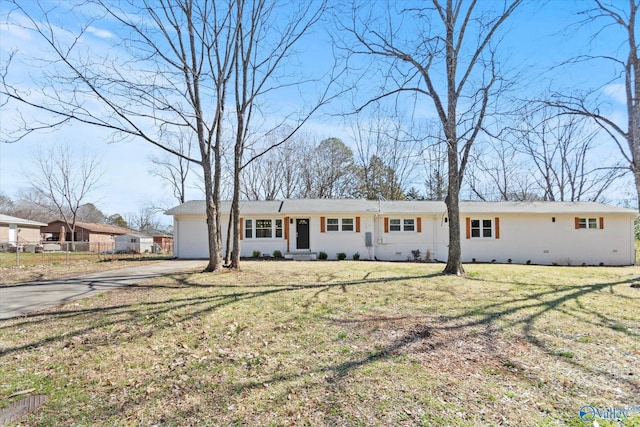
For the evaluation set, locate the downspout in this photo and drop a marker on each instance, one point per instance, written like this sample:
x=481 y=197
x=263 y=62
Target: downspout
x=374 y=238
x=176 y=237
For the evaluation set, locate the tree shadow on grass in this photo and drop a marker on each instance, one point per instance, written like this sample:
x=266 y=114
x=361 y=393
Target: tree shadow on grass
x=198 y=305
x=521 y=312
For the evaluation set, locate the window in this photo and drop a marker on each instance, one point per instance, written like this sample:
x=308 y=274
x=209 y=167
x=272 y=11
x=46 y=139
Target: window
x=397 y=224
x=481 y=228
x=333 y=224
x=409 y=224
x=591 y=223
x=263 y=229
x=248 y=229
x=340 y=224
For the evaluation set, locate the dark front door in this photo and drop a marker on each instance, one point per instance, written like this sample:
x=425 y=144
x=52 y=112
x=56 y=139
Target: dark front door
x=302 y=234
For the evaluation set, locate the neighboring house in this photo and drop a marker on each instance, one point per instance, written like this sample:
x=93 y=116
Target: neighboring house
x=14 y=231
x=134 y=243
x=97 y=236
x=563 y=233
x=163 y=241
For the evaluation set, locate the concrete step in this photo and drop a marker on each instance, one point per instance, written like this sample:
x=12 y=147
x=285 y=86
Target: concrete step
x=301 y=256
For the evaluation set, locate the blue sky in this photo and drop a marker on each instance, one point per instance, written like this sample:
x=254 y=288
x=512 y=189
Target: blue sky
x=540 y=36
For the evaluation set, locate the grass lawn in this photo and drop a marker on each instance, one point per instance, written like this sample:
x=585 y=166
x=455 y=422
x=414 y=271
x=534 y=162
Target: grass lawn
x=336 y=343
x=8 y=260
x=56 y=265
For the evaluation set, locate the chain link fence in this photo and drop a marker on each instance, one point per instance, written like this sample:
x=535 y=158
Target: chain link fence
x=30 y=253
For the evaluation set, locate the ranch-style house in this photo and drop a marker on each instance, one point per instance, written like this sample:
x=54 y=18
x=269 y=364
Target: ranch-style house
x=561 y=233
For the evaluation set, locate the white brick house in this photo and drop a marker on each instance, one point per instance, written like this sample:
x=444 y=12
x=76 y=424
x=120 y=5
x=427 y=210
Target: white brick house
x=563 y=233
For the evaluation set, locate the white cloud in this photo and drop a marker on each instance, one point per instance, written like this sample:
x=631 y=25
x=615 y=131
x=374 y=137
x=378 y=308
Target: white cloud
x=14 y=32
x=104 y=34
x=616 y=91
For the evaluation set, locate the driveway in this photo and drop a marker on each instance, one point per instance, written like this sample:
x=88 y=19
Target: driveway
x=20 y=299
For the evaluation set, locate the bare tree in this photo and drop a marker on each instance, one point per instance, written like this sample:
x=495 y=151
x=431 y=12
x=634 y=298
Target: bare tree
x=167 y=69
x=613 y=16
x=261 y=180
x=174 y=170
x=434 y=160
x=562 y=151
x=143 y=219
x=64 y=178
x=266 y=38
x=6 y=204
x=500 y=172
x=450 y=39
x=29 y=205
x=276 y=173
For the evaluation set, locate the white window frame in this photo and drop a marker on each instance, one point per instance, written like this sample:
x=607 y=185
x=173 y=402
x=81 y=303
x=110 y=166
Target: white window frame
x=340 y=225
x=401 y=225
x=251 y=228
x=409 y=224
x=333 y=225
x=263 y=229
x=482 y=228
x=248 y=228
x=587 y=223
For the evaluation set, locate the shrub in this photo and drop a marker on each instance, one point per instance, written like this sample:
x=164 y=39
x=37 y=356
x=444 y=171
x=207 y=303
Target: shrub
x=322 y=255
x=277 y=254
x=356 y=256
x=256 y=254
x=416 y=254
x=341 y=256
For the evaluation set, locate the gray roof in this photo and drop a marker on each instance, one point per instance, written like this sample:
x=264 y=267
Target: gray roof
x=247 y=207
x=156 y=233
x=7 y=219
x=412 y=207
x=135 y=234
x=352 y=206
x=543 y=208
x=319 y=206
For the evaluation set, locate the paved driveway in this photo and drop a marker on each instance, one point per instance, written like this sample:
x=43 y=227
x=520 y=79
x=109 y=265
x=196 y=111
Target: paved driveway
x=16 y=300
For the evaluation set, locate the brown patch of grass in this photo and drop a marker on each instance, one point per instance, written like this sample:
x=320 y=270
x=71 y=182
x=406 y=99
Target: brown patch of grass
x=349 y=343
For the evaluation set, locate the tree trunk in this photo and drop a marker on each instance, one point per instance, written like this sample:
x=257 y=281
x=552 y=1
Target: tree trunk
x=229 y=247
x=212 y=210
x=454 y=261
x=235 y=204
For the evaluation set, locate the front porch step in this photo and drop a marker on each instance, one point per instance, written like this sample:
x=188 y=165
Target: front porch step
x=301 y=256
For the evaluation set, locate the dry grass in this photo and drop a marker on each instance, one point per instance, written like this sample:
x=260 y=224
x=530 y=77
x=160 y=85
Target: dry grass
x=336 y=343
x=34 y=268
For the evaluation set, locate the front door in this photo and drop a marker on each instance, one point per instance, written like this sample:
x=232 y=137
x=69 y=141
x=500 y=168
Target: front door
x=302 y=233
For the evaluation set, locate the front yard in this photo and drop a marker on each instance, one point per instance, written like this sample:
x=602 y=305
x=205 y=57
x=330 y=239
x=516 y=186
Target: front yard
x=337 y=343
